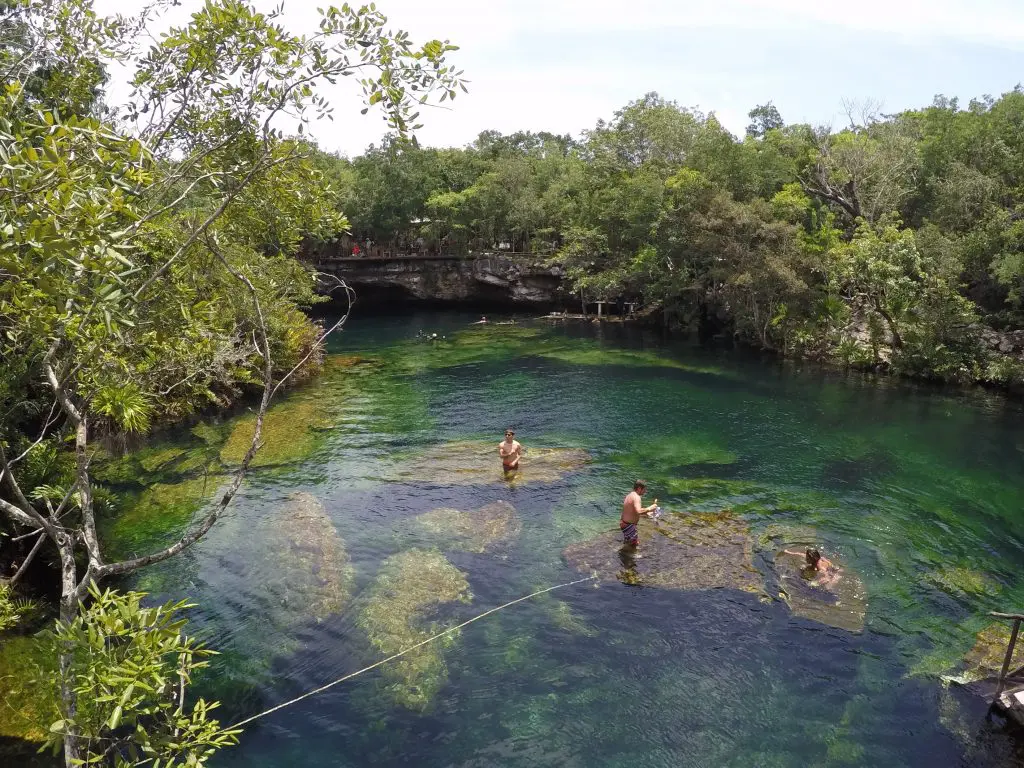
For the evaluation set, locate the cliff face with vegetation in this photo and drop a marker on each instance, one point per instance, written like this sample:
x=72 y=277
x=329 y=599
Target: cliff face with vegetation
x=896 y=242
x=492 y=280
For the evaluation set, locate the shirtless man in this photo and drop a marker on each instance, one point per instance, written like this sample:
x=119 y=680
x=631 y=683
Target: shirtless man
x=510 y=451
x=631 y=511
x=827 y=572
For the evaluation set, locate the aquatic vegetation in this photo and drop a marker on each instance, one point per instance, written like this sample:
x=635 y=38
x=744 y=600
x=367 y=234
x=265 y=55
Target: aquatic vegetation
x=707 y=489
x=478 y=344
x=474 y=531
x=156 y=515
x=561 y=615
x=960 y=580
x=657 y=454
x=581 y=353
x=985 y=658
x=473 y=462
x=311 y=574
x=28 y=692
x=781 y=535
x=680 y=551
x=408 y=586
x=290 y=432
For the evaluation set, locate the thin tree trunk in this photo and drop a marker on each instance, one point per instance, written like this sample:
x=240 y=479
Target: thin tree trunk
x=896 y=338
x=68 y=611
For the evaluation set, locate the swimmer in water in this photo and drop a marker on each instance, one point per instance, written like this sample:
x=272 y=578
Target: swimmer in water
x=823 y=571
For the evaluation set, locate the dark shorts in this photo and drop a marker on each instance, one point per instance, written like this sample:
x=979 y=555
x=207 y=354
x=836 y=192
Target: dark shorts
x=630 y=534
x=510 y=467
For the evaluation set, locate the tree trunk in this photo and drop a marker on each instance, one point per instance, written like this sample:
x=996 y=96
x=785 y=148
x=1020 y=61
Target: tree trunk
x=897 y=340
x=68 y=611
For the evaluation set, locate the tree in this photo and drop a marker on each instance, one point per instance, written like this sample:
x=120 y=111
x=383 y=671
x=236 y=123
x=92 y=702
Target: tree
x=763 y=118
x=866 y=171
x=130 y=669
x=117 y=233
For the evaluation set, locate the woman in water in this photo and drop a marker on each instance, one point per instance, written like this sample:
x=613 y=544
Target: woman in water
x=823 y=571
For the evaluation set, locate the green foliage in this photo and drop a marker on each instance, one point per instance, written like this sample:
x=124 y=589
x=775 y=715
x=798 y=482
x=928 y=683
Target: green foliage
x=13 y=610
x=147 y=271
x=131 y=667
x=888 y=243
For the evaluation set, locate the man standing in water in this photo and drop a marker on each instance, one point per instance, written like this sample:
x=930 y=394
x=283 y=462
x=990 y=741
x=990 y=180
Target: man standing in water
x=631 y=511
x=510 y=451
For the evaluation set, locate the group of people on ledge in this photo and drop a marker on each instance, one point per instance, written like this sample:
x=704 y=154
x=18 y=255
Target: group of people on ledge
x=819 y=570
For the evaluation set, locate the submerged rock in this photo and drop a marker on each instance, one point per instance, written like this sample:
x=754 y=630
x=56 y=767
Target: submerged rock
x=313 y=572
x=710 y=551
x=157 y=515
x=291 y=432
x=674 y=451
x=28 y=671
x=985 y=659
x=472 y=531
x=680 y=551
x=958 y=580
x=842 y=604
x=409 y=585
x=476 y=462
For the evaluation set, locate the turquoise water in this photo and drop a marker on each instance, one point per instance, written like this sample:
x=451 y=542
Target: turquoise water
x=914 y=491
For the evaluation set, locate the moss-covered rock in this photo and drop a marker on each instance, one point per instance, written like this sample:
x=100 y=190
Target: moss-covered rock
x=291 y=432
x=311 y=575
x=157 y=515
x=409 y=586
x=476 y=462
x=28 y=693
x=985 y=659
x=474 y=531
x=681 y=551
x=959 y=580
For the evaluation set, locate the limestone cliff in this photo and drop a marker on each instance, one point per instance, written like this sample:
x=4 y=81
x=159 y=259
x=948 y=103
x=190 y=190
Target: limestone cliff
x=493 y=279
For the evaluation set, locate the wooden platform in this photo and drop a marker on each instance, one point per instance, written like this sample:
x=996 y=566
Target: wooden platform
x=1011 y=701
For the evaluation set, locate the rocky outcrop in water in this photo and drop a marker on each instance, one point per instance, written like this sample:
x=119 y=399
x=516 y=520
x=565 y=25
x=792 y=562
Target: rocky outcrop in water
x=700 y=551
x=477 y=463
x=474 y=531
x=396 y=617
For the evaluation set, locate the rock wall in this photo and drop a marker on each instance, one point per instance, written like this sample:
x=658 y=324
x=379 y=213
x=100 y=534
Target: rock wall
x=491 y=279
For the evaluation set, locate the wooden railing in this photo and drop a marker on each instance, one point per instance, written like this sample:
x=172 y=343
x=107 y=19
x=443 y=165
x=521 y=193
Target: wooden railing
x=1001 y=681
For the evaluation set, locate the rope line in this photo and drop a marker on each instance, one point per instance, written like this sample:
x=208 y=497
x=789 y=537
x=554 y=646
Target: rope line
x=394 y=656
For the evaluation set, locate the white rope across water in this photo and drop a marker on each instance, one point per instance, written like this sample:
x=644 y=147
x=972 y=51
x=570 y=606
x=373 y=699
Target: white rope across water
x=394 y=656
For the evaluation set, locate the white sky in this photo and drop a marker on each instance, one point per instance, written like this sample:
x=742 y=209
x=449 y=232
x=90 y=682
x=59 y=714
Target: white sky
x=560 y=65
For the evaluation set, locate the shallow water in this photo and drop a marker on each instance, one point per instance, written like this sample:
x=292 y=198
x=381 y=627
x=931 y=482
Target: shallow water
x=913 y=491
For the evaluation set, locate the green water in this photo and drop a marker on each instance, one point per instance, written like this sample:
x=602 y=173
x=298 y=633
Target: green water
x=324 y=564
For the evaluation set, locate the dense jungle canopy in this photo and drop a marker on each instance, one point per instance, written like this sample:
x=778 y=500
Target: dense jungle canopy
x=894 y=241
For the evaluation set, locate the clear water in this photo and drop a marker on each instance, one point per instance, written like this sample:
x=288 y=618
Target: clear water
x=915 y=490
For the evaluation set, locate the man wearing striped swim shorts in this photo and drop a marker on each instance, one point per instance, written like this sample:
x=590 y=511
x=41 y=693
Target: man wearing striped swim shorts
x=631 y=511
